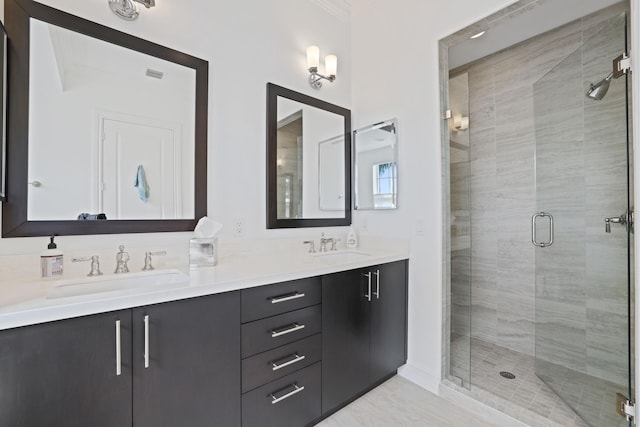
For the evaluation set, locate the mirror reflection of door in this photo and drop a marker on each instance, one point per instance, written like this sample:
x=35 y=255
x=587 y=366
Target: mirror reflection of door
x=330 y=180
x=290 y=166
x=126 y=146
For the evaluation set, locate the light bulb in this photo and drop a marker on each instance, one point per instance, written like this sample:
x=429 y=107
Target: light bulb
x=313 y=57
x=331 y=65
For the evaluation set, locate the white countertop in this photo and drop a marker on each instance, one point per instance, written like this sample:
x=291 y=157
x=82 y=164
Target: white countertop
x=24 y=304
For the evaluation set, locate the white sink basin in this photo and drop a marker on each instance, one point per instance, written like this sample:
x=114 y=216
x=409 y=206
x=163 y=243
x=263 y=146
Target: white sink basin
x=140 y=281
x=347 y=255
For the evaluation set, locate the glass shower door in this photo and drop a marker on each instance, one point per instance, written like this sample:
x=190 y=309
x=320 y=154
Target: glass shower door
x=460 y=245
x=583 y=255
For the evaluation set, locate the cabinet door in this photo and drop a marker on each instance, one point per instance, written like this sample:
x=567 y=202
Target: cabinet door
x=345 y=337
x=388 y=319
x=65 y=373
x=192 y=372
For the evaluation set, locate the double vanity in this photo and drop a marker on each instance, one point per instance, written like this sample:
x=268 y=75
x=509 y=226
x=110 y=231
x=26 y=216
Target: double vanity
x=283 y=343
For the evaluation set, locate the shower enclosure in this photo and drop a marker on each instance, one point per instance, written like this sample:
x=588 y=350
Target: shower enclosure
x=541 y=228
x=583 y=278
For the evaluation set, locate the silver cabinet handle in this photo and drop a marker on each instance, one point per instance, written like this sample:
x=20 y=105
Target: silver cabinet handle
x=118 y=349
x=295 y=390
x=533 y=229
x=377 y=292
x=294 y=327
x=368 y=294
x=296 y=358
x=146 y=341
x=289 y=297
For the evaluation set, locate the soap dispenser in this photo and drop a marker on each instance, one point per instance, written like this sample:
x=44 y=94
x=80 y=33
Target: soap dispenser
x=51 y=261
x=352 y=238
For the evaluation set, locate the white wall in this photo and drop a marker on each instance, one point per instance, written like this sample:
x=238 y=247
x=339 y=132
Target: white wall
x=247 y=43
x=395 y=74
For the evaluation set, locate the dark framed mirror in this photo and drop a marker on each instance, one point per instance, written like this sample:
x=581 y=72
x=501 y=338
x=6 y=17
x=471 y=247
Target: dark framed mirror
x=100 y=124
x=308 y=161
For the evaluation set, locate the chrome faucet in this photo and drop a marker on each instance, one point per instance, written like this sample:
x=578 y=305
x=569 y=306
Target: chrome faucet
x=333 y=244
x=147 y=259
x=312 y=246
x=324 y=241
x=122 y=258
x=95 y=264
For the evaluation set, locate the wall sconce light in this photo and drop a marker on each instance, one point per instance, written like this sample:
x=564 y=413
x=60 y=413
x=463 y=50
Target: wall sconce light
x=460 y=122
x=457 y=122
x=313 y=60
x=127 y=10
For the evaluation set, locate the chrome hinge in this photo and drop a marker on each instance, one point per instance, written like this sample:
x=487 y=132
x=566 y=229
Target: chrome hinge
x=625 y=407
x=447 y=115
x=621 y=65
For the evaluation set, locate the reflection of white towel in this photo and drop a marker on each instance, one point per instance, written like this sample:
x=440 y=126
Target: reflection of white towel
x=141 y=184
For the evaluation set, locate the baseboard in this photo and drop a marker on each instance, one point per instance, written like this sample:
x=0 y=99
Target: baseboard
x=420 y=377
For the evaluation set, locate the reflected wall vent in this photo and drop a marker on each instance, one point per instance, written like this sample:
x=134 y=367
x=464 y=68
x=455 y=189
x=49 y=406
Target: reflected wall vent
x=155 y=74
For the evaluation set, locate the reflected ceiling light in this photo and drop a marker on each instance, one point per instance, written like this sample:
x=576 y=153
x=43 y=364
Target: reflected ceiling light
x=476 y=35
x=126 y=9
x=313 y=60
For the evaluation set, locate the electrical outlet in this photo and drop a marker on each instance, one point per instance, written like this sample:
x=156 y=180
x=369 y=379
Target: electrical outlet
x=238 y=227
x=419 y=227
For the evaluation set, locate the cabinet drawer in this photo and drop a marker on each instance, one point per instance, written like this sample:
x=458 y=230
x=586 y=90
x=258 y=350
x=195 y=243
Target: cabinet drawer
x=270 y=365
x=265 y=301
x=290 y=401
x=275 y=331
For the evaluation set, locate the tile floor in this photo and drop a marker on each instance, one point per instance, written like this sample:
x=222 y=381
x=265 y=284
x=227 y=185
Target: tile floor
x=400 y=403
x=527 y=397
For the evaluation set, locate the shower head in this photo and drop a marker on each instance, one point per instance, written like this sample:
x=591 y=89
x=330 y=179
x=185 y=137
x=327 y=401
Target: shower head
x=599 y=90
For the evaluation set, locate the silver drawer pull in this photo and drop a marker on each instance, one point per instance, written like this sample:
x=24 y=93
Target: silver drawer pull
x=295 y=390
x=146 y=341
x=294 y=327
x=118 y=349
x=288 y=297
x=368 y=294
x=296 y=358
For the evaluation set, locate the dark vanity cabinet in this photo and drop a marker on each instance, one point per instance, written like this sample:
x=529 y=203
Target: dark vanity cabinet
x=280 y=355
x=281 y=350
x=66 y=373
x=178 y=366
x=364 y=328
x=186 y=362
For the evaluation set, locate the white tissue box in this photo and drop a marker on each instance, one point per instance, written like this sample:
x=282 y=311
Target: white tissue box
x=203 y=252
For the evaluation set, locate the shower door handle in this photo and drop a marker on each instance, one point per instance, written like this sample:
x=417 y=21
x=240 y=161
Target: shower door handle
x=533 y=229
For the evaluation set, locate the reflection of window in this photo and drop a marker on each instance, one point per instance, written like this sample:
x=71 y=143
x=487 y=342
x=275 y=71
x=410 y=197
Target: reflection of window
x=384 y=184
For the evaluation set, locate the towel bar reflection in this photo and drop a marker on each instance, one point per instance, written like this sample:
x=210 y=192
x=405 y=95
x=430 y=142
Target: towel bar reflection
x=533 y=229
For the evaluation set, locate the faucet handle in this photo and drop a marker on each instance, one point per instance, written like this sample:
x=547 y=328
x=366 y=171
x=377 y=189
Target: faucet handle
x=95 y=264
x=147 y=259
x=334 y=240
x=312 y=246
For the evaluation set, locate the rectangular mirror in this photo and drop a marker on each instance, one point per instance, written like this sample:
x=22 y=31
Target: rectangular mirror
x=376 y=166
x=308 y=161
x=113 y=138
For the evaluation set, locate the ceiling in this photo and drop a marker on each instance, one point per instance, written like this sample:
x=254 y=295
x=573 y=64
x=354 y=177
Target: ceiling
x=531 y=19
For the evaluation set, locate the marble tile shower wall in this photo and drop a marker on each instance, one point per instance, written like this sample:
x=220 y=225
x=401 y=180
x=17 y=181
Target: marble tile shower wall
x=503 y=184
